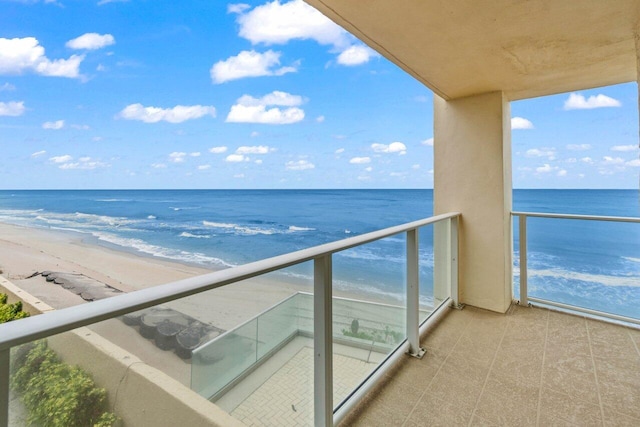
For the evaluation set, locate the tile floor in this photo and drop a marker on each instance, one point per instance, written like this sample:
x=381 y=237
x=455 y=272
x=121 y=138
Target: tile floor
x=531 y=366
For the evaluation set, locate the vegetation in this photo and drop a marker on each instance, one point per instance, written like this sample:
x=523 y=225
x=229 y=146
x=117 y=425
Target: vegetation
x=376 y=335
x=9 y=312
x=55 y=394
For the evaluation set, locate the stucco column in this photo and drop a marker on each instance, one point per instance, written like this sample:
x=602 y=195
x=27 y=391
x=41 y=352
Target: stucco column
x=472 y=175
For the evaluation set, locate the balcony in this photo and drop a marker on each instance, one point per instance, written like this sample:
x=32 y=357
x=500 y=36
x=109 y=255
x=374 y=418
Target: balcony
x=297 y=364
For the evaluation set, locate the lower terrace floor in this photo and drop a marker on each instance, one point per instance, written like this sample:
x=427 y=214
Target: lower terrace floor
x=530 y=367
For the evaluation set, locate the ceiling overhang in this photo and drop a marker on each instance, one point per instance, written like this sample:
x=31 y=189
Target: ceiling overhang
x=525 y=48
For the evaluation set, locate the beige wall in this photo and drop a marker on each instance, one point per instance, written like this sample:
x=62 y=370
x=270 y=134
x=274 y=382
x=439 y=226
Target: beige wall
x=472 y=175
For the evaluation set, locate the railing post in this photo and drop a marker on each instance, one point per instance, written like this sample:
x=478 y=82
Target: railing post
x=322 y=342
x=453 y=276
x=4 y=387
x=413 y=295
x=524 y=298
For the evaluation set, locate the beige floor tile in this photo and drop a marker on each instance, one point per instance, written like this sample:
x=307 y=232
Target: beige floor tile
x=621 y=397
x=507 y=409
x=416 y=373
x=613 y=418
x=377 y=416
x=396 y=395
x=431 y=411
x=477 y=421
x=547 y=420
x=569 y=408
x=451 y=386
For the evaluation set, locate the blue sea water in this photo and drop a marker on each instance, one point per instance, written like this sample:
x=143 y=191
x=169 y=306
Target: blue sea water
x=586 y=263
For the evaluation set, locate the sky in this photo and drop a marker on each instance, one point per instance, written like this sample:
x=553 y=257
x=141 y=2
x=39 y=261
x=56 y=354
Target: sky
x=99 y=94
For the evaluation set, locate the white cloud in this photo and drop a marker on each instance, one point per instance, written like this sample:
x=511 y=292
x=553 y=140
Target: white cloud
x=572 y=160
x=299 y=165
x=217 y=150
x=340 y=151
x=20 y=55
x=562 y=172
x=258 y=162
x=103 y=2
x=254 y=134
x=256 y=149
x=428 y=142
x=236 y=158
x=578 y=102
x=360 y=160
x=320 y=119
x=579 y=147
x=177 y=157
x=7 y=87
x=12 y=108
x=195 y=154
x=521 y=123
x=61 y=159
x=85 y=163
x=542 y=152
x=158 y=166
x=204 y=167
x=80 y=127
x=38 y=153
x=394 y=147
x=91 y=41
x=249 y=64
x=634 y=163
x=608 y=160
x=177 y=114
x=416 y=166
x=254 y=110
x=278 y=23
x=356 y=55
x=368 y=169
x=239 y=175
x=544 y=169
x=624 y=148
x=587 y=160
x=237 y=8
x=58 y=124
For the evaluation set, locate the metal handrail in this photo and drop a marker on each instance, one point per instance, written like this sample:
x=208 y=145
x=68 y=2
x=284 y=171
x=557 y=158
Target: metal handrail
x=58 y=321
x=524 y=293
x=582 y=217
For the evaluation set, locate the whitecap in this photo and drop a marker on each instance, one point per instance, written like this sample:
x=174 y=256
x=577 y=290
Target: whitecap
x=600 y=279
x=294 y=228
x=195 y=236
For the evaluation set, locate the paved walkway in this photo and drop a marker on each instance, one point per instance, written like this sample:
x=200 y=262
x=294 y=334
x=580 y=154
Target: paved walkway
x=286 y=398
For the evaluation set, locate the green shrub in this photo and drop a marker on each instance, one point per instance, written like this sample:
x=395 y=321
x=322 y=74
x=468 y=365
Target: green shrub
x=9 y=312
x=56 y=394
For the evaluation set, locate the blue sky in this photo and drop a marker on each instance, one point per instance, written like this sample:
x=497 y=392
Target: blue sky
x=154 y=94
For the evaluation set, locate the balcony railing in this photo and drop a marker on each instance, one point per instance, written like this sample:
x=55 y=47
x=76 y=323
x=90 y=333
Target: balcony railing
x=445 y=252
x=577 y=243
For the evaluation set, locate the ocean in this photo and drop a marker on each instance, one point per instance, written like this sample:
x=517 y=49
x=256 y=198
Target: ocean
x=590 y=264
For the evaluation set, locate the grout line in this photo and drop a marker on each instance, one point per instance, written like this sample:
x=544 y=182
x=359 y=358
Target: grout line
x=633 y=342
x=493 y=361
x=595 y=371
x=544 y=358
x=437 y=371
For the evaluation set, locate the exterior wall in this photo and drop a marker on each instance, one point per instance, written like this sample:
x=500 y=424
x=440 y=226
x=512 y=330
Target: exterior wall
x=138 y=393
x=472 y=175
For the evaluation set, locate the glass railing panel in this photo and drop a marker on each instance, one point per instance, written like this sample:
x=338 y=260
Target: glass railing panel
x=430 y=295
x=585 y=263
x=516 y=257
x=368 y=310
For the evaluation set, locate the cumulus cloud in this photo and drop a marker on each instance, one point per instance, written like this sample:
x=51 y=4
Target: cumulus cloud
x=58 y=124
x=12 y=108
x=217 y=150
x=237 y=158
x=158 y=165
x=7 y=87
x=255 y=110
x=340 y=151
x=38 y=153
x=91 y=41
x=579 y=147
x=61 y=159
x=299 y=165
x=86 y=163
x=20 y=55
x=256 y=149
x=320 y=119
x=428 y=142
x=562 y=172
x=587 y=160
x=204 y=167
x=356 y=55
x=237 y=8
x=579 y=102
x=278 y=23
x=624 y=148
x=80 y=127
x=177 y=114
x=249 y=64
x=521 y=123
x=634 y=163
x=360 y=160
x=544 y=169
x=608 y=160
x=394 y=147
x=542 y=152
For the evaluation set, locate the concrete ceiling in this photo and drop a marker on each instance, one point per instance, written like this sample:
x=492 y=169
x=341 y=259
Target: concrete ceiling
x=526 y=48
